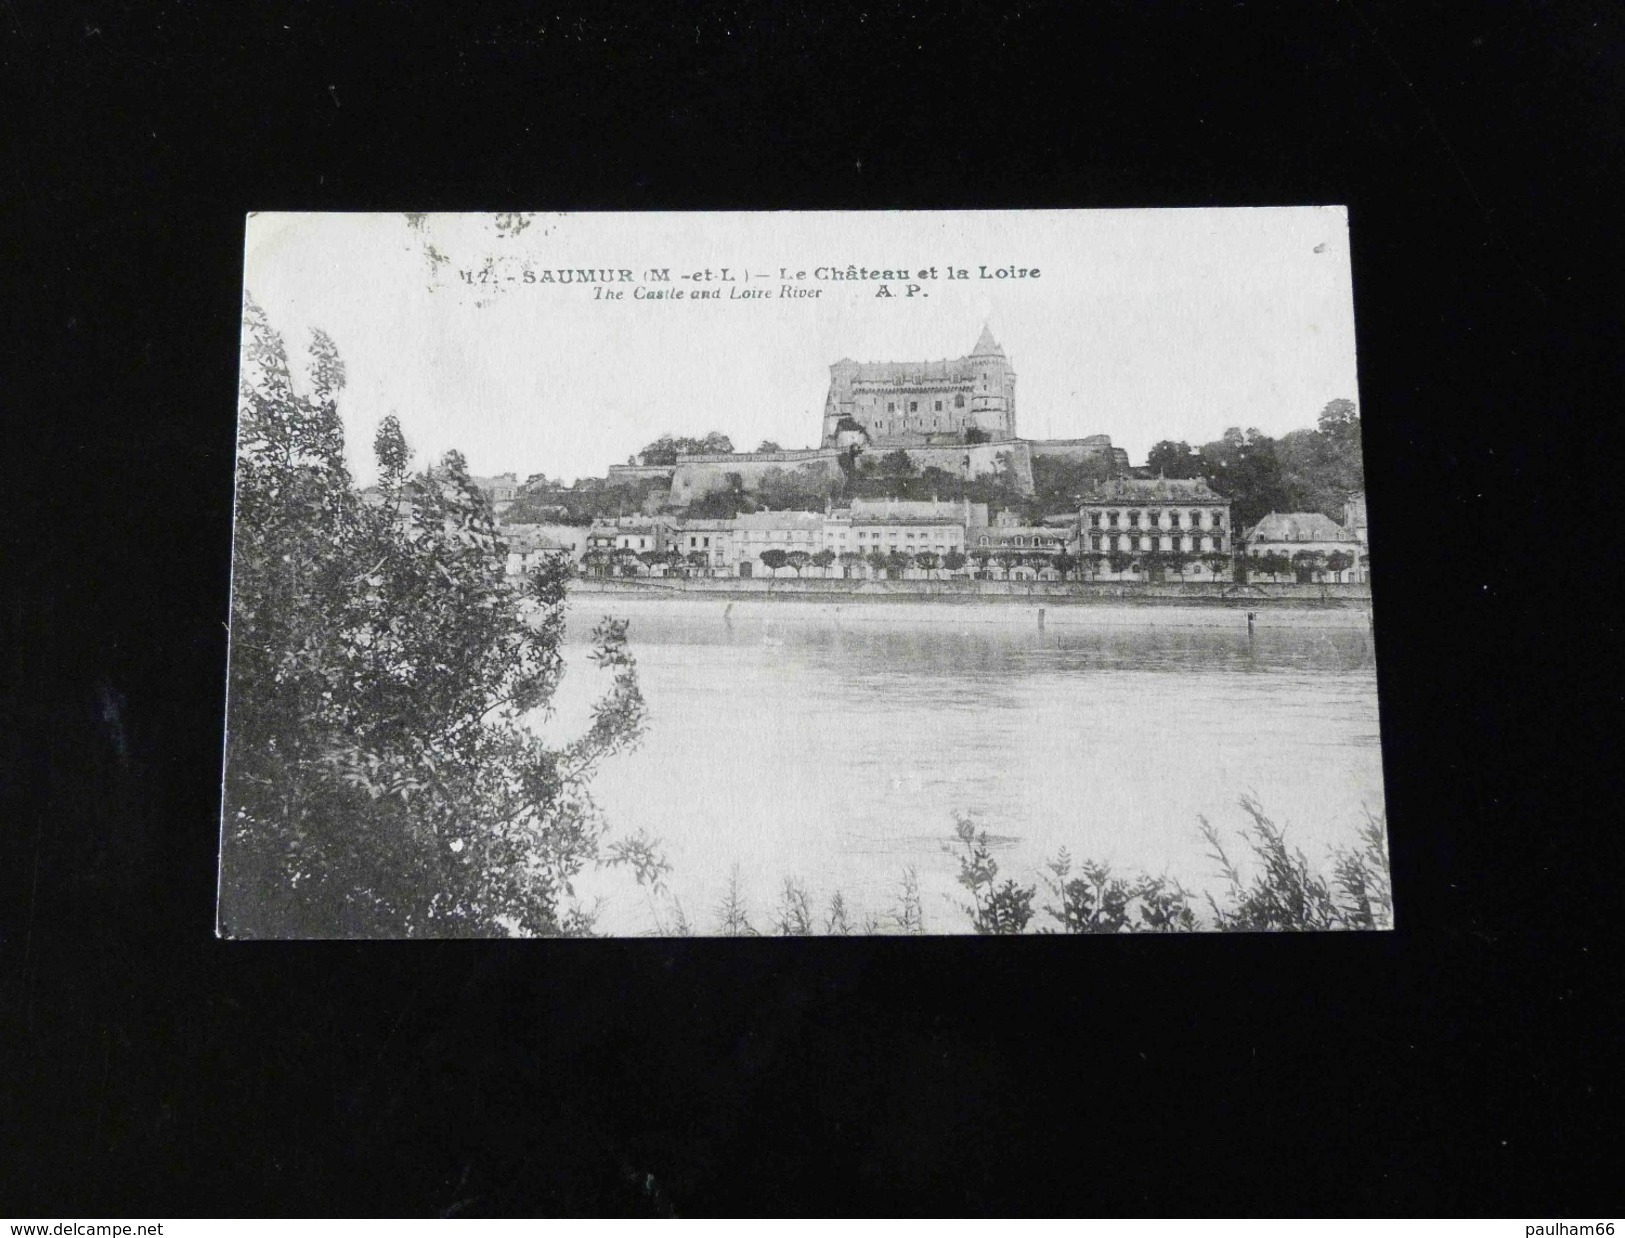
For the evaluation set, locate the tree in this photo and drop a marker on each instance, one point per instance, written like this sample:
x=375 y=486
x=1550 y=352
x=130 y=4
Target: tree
x=807 y=488
x=1338 y=562
x=651 y=559
x=1244 y=468
x=898 y=562
x=851 y=559
x=1307 y=563
x=975 y=434
x=666 y=448
x=823 y=559
x=1063 y=563
x=1271 y=563
x=382 y=777
x=1171 y=459
x=1216 y=561
x=954 y=560
x=877 y=561
x=1120 y=560
x=981 y=555
x=928 y=560
x=768 y=445
x=698 y=560
x=773 y=559
x=798 y=559
x=897 y=464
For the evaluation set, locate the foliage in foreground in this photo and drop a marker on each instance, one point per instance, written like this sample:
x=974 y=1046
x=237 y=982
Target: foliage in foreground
x=1281 y=893
x=383 y=777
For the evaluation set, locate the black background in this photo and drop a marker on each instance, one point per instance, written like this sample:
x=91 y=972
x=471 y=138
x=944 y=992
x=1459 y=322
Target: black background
x=1455 y=1066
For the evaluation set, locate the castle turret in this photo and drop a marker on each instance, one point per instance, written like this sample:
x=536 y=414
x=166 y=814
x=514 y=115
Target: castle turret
x=993 y=392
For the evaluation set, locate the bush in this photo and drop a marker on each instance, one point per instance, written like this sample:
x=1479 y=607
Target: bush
x=1286 y=895
x=1095 y=901
x=995 y=909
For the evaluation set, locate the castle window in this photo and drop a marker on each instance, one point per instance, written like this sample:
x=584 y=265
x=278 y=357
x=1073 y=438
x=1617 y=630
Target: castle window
x=913 y=406
x=959 y=401
x=1134 y=520
x=939 y=406
x=1111 y=519
x=1173 y=520
x=1216 y=519
x=1196 y=520
x=891 y=406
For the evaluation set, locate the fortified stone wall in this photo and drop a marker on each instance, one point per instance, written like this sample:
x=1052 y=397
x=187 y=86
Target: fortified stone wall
x=694 y=478
x=978 y=460
x=1073 y=450
x=625 y=474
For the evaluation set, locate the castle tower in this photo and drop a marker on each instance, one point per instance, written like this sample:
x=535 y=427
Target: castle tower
x=993 y=391
x=839 y=402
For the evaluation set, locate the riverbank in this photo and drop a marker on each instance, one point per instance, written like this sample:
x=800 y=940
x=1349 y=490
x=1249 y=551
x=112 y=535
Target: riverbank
x=998 y=593
x=834 y=612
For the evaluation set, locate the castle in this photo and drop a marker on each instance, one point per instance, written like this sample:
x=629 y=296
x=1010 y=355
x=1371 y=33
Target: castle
x=958 y=416
x=922 y=403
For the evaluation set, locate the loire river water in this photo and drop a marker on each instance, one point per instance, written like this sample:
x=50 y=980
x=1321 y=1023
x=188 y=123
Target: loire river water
x=834 y=744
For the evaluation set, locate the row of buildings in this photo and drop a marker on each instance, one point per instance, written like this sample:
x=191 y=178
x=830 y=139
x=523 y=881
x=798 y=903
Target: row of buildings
x=957 y=415
x=1129 y=529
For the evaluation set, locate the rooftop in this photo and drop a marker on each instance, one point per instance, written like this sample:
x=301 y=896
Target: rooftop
x=955 y=370
x=1298 y=527
x=1153 y=489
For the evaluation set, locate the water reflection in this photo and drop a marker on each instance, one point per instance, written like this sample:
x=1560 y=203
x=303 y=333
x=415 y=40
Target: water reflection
x=836 y=748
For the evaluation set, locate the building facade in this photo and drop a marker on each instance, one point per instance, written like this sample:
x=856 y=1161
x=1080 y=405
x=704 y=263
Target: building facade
x=873 y=530
x=500 y=491
x=1140 y=528
x=755 y=533
x=706 y=545
x=1306 y=547
x=922 y=403
x=1008 y=551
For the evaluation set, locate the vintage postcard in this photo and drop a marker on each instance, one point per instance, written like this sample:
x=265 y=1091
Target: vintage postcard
x=800 y=573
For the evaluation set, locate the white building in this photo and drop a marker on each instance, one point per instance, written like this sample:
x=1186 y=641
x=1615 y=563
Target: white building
x=755 y=533
x=1307 y=547
x=1134 y=528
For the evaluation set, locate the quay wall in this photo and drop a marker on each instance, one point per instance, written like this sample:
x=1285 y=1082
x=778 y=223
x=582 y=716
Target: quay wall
x=1191 y=593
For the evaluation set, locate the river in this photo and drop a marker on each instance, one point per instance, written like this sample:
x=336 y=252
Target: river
x=834 y=744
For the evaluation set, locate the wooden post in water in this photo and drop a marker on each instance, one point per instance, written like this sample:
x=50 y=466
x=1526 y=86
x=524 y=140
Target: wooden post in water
x=1040 y=618
x=1249 y=624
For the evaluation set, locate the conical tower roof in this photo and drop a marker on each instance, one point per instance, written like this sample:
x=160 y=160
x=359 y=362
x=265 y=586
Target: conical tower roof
x=986 y=345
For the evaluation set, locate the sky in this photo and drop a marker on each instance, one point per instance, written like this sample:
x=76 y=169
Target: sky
x=1142 y=325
